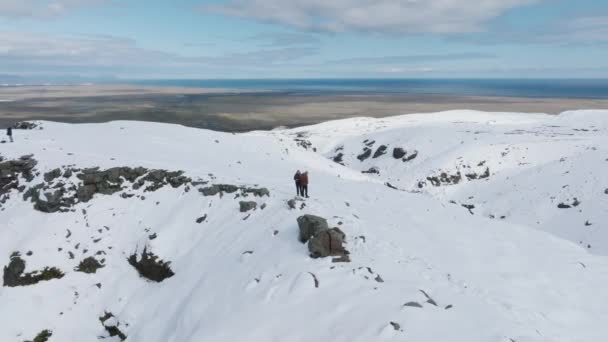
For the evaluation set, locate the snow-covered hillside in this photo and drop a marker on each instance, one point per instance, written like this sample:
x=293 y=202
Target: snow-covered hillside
x=487 y=227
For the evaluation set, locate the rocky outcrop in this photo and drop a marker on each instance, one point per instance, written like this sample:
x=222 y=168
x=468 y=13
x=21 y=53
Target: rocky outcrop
x=445 y=179
x=25 y=125
x=150 y=267
x=229 y=189
x=14 y=276
x=11 y=172
x=310 y=225
x=61 y=195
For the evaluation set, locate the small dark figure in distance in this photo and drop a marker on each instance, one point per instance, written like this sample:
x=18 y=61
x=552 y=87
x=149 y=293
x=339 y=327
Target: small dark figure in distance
x=296 y=178
x=304 y=184
x=9 y=132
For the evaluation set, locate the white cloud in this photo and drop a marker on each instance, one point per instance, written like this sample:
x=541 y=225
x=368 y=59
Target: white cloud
x=396 y=16
x=36 y=53
x=42 y=8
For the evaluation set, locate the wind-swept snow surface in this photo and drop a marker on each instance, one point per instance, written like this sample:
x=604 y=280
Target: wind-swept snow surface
x=465 y=226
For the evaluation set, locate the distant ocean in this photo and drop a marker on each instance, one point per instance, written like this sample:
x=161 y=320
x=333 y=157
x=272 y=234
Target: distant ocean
x=540 y=88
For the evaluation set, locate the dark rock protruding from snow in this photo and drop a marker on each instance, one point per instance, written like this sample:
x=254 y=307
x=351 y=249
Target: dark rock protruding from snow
x=150 y=267
x=338 y=158
x=367 y=152
x=328 y=243
x=89 y=265
x=247 y=206
x=52 y=175
x=372 y=170
x=310 y=225
x=14 y=276
x=229 y=189
x=398 y=153
x=445 y=179
x=25 y=125
x=112 y=326
x=380 y=151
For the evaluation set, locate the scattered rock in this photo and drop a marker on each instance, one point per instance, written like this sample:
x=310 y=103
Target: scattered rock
x=396 y=326
x=150 y=267
x=473 y=175
x=310 y=225
x=89 y=265
x=428 y=298
x=228 y=188
x=201 y=219
x=470 y=207
x=445 y=179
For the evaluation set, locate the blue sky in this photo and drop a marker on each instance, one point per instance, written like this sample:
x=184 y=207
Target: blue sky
x=152 y=39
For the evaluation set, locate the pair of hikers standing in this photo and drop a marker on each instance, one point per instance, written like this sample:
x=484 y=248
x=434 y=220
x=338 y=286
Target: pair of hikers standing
x=301 y=179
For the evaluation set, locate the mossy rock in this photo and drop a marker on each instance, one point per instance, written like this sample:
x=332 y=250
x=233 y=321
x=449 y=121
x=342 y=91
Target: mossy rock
x=150 y=267
x=89 y=265
x=42 y=336
x=13 y=274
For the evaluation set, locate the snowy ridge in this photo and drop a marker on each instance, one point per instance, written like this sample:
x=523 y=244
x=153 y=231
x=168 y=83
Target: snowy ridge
x=422 y=268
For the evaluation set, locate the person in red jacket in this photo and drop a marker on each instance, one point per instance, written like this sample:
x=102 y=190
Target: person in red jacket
x=304 y=184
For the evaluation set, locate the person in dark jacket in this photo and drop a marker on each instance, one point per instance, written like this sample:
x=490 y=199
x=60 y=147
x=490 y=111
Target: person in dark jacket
x=9 y=132
x=304 y=184
x=296 y=178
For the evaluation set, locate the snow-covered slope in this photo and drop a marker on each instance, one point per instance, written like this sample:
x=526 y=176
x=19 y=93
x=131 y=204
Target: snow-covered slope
x=421 y=269
x=515 y=167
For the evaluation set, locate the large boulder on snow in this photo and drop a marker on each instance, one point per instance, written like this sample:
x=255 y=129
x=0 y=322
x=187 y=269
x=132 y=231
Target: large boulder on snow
x=311 y=225
x=398 y=153
x=328 y=243
x=246 y=206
